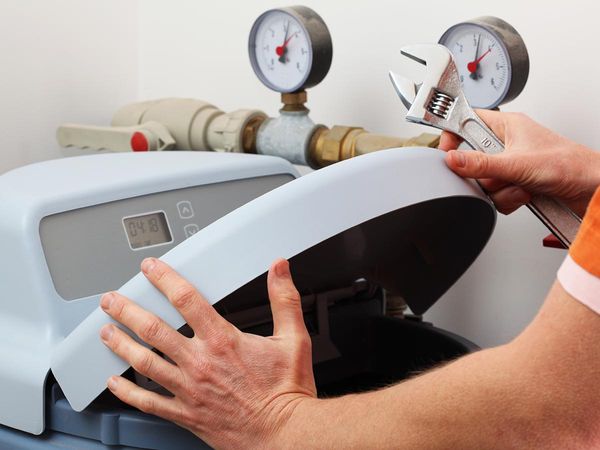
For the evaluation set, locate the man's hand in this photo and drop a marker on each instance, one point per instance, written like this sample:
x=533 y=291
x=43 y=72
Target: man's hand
x=230 y=388
x=535 y=161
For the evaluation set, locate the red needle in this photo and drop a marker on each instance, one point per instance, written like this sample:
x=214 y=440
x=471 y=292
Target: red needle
x=472 y=66
x=279 y=50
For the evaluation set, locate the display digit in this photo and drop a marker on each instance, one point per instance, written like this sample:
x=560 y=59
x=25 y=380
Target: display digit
x=147 y=230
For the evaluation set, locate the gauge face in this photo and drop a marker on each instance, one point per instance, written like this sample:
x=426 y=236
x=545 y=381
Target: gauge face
x=282 y=51
x=483 y=64
x=290 y=48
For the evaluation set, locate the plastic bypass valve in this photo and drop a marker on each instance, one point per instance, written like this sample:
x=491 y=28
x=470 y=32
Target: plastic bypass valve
x=399 y=218
x=168 y=124
x=149 y=136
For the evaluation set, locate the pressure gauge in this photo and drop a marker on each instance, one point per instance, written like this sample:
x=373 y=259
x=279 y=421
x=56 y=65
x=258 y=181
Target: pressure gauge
x=491 y=58
x=290 y=48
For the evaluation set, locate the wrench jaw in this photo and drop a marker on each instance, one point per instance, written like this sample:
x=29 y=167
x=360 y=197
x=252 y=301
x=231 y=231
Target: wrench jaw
x=435 y=56
x=411 y=96
x=405 y=88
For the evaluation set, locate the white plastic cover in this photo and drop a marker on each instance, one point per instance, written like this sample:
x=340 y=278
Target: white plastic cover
x=238 y=248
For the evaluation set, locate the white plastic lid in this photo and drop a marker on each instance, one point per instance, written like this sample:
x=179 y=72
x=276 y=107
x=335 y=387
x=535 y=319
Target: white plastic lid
x=399 y=217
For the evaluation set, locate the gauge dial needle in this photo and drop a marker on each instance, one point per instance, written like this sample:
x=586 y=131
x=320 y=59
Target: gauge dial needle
x=473 y=75
x=281 y=50
x=472 y=66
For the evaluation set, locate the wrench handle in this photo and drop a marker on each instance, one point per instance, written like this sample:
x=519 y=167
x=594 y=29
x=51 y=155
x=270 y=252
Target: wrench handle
x=479 y=136
x=559 y=219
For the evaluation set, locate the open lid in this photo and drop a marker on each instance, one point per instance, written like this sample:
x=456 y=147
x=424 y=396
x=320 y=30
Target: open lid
x=398 y=217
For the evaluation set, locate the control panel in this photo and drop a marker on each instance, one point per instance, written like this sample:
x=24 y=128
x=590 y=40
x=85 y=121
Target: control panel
x=95 y=249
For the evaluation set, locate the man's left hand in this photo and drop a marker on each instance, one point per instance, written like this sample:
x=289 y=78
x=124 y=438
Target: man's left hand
x=230 y=388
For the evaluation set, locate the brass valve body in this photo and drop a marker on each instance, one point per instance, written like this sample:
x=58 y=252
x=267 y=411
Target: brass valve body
x=329 y=146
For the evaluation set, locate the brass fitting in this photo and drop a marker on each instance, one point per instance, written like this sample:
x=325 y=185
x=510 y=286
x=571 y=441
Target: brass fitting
x=294 y=101
x=329 y=146
x=250 y=132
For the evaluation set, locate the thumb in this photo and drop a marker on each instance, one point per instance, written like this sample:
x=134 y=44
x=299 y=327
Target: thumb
x=285 y=300
x=474 y=164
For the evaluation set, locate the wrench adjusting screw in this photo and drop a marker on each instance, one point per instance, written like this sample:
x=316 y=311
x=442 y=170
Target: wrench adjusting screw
x=440 y=104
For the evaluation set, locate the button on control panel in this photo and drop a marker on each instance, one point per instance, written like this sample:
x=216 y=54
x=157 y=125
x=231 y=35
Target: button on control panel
x=185 y=209
x=191 y=229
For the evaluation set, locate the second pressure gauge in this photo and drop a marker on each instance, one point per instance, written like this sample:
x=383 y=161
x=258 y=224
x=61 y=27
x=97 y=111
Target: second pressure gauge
x=290 y=48
x=491 y=58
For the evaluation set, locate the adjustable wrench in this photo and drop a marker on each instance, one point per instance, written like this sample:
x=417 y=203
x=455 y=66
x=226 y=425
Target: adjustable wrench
x=440 y=102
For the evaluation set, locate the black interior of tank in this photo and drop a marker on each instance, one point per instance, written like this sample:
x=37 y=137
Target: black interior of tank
x=418 y=252
x=376 y=350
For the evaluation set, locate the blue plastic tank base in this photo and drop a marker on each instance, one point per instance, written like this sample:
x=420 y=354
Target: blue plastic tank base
x=105 y=425
x=11 y=439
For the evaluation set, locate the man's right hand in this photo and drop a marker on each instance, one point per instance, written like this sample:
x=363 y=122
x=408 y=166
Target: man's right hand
x=535 y=161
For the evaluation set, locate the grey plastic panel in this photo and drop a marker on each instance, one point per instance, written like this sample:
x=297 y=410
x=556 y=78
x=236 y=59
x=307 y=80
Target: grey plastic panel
x=87 y=250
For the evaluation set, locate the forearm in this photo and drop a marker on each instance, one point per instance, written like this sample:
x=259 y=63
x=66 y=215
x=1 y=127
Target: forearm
x=441 y=409
x=586 y=179
x=536 y=392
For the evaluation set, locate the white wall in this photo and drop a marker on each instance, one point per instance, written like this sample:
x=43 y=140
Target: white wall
x=62 y=60
x=70 y=60
x=199 y=49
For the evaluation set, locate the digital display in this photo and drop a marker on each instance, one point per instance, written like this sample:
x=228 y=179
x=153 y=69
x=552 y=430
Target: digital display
x=147 y=230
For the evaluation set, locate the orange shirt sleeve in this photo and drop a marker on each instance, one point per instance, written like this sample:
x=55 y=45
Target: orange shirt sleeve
x=585 y=251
